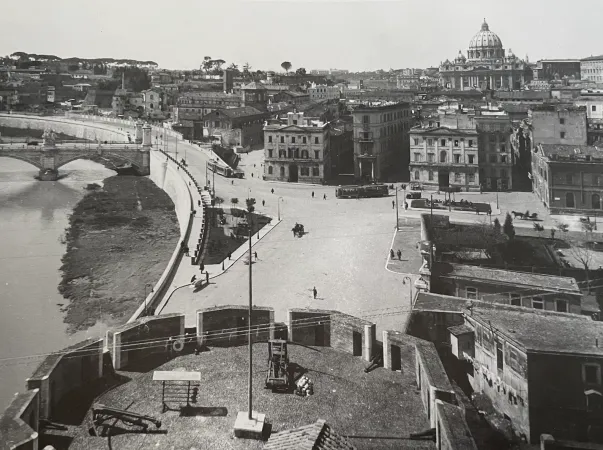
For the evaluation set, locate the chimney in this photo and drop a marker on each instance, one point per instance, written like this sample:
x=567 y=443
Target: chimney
x=123 y=79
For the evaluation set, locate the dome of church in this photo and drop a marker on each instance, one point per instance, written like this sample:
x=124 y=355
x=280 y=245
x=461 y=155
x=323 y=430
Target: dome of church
x=485 y=44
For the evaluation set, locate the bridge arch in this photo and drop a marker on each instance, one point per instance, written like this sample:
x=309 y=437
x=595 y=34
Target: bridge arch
x=92 y=156
x=34 y=163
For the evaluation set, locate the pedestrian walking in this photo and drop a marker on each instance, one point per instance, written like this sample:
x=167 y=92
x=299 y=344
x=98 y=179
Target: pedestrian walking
x=229 y=255
x=198 y=202
x=391 y=253
x=272 y=190
x=393 y=204
x=231 y=181
x=193 y=279
x=256 y=255
x=405 y=206
x=186 y=251
x=324 y=197
x=399 y=255
x=314 y=291
x=263 y=202
x=206 y=277
x=202 y=267
x=251 y=174
x=312 y=194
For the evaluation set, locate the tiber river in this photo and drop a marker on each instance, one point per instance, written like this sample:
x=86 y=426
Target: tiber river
x=33 y=217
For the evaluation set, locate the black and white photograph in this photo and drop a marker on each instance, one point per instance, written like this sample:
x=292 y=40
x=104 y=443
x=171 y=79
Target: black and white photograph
x=301 y=224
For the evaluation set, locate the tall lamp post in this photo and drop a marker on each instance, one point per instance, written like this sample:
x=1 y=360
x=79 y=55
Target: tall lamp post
x=278 y=206
x=409 y=281
x=249 y=337
x=397 y=214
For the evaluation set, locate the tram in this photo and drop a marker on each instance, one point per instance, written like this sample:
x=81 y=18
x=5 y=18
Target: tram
x=225 y=171
x=368 y=190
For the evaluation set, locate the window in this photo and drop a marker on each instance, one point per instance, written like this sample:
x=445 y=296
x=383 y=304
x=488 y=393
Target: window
x=470 y=142
x=430 y=175
x=569 y=178
x=456 y=143
x=416 y=141
x=430 y=157
x=443 y=142
x=593 y=400
x=270 y=139
x=561 y=305
x=282 y=139
x=295 y=122
x=316 y=154
x=417 y=157
x=430 y=142
x=270 y=153
x=537 y=303
x=591 y=373
x=503 y=149
x=443 y=157
x=569 y=200
x=304 y=154
x=562 y=135
x=304 y=171
x=471 y=158
x=503 y=158
x=416 y=174
x=315 y=171
x=457 y=177
x=561 y=121
x=316 y=141
x=293 y=139
x=366 y=119
x=471 y=178
x=471 y=292
x=269 y=170
x=457 y=159
x=515 y=299
x=282 y=171
x=593 y=108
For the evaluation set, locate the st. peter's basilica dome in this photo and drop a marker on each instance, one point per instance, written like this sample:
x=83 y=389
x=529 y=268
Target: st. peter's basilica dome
x=485 y=45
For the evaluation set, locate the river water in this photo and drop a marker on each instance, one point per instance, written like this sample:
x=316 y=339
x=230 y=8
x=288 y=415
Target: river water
x=33 y=218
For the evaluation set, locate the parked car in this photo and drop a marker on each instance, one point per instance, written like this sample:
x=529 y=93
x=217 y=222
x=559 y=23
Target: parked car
x=32 y=143
x=413 y=195
x=416 y=187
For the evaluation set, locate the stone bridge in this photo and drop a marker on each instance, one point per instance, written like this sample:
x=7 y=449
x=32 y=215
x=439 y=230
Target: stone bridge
x=50 y=156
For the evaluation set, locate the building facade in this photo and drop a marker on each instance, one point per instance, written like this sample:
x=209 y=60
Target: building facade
x=236 y=126
x=568 y=179
x=486 y=66
x=558 y=124
x=442 y=157
x=557 y=69
x=319 y=92
x=541 y=370
x=381 y=140
x=297 y=150
x=591 y=68
x=495 y=152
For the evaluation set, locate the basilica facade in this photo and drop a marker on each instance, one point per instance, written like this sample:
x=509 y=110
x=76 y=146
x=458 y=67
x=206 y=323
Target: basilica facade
x=486 y=66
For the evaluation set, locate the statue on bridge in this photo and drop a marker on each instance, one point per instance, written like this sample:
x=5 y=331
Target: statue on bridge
x=49 y=138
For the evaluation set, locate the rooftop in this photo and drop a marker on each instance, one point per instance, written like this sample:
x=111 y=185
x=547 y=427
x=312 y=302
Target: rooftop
x=343 y=394
x=443 y=131
x=501 y=276
x=234 y=113
x=593 y=58
x=317 y=436
x=548 y=332
x=571 y=152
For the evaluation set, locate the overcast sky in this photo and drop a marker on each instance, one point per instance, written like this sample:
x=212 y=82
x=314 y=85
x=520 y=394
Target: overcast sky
x=318 y=34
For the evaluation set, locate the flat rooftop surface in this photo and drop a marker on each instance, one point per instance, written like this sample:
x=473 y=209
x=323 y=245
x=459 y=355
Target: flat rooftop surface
x=377 y=410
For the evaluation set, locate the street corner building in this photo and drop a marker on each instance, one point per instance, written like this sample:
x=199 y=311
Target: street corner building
x=297 y=149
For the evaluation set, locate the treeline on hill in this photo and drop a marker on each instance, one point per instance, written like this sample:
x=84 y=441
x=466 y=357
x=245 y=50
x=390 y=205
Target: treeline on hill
x=99 y=65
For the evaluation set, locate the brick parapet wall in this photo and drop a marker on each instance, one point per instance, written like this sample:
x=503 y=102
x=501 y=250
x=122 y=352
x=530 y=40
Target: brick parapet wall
x=19 y=424
x=452 y=431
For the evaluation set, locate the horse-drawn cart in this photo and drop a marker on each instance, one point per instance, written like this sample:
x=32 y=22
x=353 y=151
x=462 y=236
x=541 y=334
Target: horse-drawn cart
x=278 y=365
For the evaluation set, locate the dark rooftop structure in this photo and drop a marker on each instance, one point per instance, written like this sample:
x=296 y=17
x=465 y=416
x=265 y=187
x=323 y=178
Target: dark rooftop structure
x=236 y=113
x=593 y=58
x=317 y=436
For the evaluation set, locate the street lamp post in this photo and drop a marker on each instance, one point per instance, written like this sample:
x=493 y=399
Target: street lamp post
x=250 y=387
x=397 y=214
x=278 y=206
x=409 y=281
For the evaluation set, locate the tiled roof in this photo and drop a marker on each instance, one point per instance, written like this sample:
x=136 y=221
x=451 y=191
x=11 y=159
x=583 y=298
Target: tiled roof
x=254 y=85
x=571 y=150
x=523 y=279
x=544 y=331
x=317 y=436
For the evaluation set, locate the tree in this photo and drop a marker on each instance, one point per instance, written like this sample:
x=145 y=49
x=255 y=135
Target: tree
x=234 y=200
x=584 y=256
x=286 y=65
x=508 y=227
x=207 y=63
x=246 y=71
x=250 y=205
x=497 y=227
x=301 y=71
x=217 y=65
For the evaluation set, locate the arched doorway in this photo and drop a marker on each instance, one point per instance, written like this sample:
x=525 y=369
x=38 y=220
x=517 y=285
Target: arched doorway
x=569 y=200
x=293 y=175
x=596 y=201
